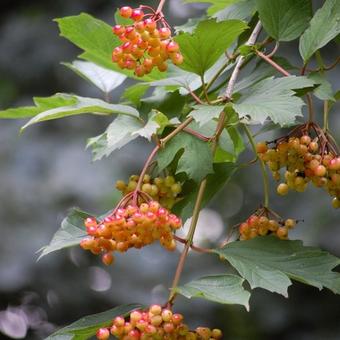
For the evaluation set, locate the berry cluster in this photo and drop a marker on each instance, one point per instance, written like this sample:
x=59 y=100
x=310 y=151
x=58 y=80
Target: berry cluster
x=307 y=159
x=265 y=222
x=130 y=227
x=165 y=190
x=156 y=323
x=145 y=44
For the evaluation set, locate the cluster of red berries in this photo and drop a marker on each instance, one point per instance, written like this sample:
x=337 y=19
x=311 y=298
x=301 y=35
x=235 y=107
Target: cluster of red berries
x=130 y=227
x=164 y=190
x=145 y=44
x=264 y=222
x=306 y=160
x=155 y=323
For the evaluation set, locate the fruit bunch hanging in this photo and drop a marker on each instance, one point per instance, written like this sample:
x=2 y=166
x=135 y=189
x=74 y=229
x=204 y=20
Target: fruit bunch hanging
x=155 y=323
x=309 y=155
x=265 y=222
x=164 y=190
x=131 y=225
x=147 y=43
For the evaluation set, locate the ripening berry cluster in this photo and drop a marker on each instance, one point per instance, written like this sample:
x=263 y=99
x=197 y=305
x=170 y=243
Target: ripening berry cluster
x=156 y=323
x=145 y=44
x=304 y=164
x=257 y=225
x=164 y=190
x=130 y=227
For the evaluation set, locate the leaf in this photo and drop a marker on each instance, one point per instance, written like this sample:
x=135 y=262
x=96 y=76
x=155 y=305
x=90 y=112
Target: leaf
x=215 y=182
x=273 y=98
x=216 y=5
x=204 y=113
x=189 y=26
x=106 y=80
x=284 y=20
x=119 y=133
x=324 y=90
x=226 y=289
x=270 y=263
x=195 y=159
x=96 y=39
x=86 y=327
x=70 y=234
x=80 y=106
x=42 y=104
x=210 y=39
x=324 y=26
x=240 y=11
x=135 y=93
x=156 y=123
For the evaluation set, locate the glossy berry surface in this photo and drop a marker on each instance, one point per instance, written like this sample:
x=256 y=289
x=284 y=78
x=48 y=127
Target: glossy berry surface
x=156 y=323
x=145 y=45
x=131 y=227
x=307 y=156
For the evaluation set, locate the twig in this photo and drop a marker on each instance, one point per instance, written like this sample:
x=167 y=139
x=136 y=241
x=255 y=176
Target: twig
x=251 y=41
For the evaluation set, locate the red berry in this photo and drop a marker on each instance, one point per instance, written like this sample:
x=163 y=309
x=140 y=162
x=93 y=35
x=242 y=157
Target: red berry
x=172 y=47
x=118 y=30
x=125 y=11
x=164 y=32
x=137 y=14
x=103 y=334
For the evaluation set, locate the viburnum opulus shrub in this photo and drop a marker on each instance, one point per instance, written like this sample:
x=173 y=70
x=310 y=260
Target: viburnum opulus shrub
x=197 y=70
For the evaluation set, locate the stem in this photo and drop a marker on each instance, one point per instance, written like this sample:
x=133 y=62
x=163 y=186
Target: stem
x=203 y=184
x=273 y=63
x=178 y=129
x=311 y=113
x=160 y=6
x=263 y=168
x=251 y=41
x=204 y=89
x=189 y=240
x=325 y=115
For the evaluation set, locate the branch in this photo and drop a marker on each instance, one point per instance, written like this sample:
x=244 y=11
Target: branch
x=251 y=41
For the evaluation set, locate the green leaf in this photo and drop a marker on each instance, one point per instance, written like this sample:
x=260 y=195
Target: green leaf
x=195 y=156
x=81 y=106
x=119 y=133
x=226 y=289
x=270 y=263
x=86 y=327
x=156 y=123
x=284 y=20
x=135 y=93
x=189 y=26
x=216 y=5
x=273 y=98
x=215 y=182
x=324 y=90
x=42 y=104
x=240 y=11
x=210 y=39
x=70 y=234
x=205 y=113
x=324 y=26
x=106 y=80
x=96 y=39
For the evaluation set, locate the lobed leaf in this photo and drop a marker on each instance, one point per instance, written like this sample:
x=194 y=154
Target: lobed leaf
x=86 y=327
x=195 y=156
x=284 y=20
x=324 y=26
x=273 y=98
x=70 y=234
x=81 y=105
x=225 y=289
x=270 y=263
x=210 y=39
x=106 y=80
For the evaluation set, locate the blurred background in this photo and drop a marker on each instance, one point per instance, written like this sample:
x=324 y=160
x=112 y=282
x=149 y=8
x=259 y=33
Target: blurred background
x=46 y=171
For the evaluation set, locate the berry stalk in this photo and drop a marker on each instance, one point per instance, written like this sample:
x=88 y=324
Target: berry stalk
x=263 y=168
